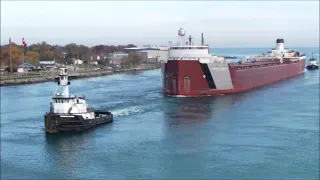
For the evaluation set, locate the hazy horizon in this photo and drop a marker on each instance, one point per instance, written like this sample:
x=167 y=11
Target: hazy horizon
x=224 y=24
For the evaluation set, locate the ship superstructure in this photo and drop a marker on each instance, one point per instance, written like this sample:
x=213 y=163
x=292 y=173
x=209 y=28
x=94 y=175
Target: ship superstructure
x=192 y=71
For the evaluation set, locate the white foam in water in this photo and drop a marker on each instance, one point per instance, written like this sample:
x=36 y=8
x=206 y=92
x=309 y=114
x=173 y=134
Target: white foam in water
x=127 y=111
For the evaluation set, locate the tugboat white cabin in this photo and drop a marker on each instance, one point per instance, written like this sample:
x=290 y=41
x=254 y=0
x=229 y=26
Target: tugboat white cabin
x=64 y=103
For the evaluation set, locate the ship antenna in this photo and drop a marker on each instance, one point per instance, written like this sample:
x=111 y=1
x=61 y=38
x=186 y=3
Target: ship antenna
x=202 y=39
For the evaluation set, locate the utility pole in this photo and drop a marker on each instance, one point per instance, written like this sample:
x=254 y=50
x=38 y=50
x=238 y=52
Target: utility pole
x=10 y=56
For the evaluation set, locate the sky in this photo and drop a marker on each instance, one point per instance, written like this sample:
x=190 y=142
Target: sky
x=224 y=23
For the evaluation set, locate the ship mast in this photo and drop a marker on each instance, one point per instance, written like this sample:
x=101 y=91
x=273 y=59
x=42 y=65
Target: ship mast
x=190 y=40
x=64 y=82
x=202 y=39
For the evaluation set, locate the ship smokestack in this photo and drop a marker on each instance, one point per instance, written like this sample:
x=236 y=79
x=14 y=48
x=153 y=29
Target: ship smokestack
x=280 y=44
x=202 y=40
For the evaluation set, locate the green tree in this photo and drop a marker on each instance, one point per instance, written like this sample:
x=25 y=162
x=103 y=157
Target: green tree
x=72 y=50
x=33 y=56
x=134 y=58
x=84 y=52
x=42 y=48
x=16 y=55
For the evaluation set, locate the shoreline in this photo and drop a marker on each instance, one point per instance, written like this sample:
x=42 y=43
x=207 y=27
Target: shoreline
x=78 y=75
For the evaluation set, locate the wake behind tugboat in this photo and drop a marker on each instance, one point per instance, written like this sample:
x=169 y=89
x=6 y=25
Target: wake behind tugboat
x=69 y=113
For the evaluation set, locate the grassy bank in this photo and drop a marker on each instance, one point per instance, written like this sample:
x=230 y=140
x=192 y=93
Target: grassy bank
x=47 y=77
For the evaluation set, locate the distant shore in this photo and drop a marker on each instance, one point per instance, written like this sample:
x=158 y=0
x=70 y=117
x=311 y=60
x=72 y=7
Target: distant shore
x=22 y=80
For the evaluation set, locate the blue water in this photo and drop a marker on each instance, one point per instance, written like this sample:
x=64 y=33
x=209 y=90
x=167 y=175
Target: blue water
x=267 y=133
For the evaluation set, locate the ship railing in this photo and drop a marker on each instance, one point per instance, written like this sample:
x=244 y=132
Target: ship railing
x=249 y=66
x=61 y=95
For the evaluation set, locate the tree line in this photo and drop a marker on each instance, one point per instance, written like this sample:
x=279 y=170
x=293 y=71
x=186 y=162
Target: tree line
x=61 y=54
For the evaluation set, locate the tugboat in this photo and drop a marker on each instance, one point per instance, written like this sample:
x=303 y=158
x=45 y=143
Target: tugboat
x=312 y=63
x=71 y=113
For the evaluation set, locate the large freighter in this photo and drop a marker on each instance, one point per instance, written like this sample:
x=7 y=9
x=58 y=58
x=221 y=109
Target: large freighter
x=191 y=71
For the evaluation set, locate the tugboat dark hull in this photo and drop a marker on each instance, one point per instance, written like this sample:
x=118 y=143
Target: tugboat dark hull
x=312 y=67
x=55 y=123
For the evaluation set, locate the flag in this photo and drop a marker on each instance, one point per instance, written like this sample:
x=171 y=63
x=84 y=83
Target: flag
x=24 y=43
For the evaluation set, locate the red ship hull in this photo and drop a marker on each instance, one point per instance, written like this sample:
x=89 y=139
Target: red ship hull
x=191 y=78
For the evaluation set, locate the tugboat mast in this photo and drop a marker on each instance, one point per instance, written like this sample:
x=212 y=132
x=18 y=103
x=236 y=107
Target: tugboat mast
x=64 y=81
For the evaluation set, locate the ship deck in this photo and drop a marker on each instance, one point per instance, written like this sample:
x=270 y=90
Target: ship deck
x=256 y=64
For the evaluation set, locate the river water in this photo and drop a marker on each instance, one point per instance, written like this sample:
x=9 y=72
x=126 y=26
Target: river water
x=266 y=133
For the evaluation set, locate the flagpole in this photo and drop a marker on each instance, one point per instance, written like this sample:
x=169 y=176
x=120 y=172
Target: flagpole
x=23 y=46
x=23 y=55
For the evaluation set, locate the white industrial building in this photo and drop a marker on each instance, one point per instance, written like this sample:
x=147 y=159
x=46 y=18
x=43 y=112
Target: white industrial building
x=150 y=53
